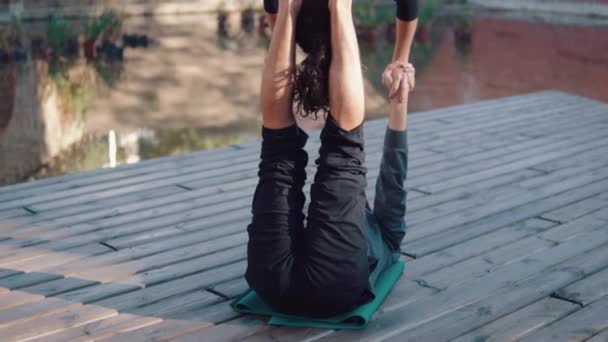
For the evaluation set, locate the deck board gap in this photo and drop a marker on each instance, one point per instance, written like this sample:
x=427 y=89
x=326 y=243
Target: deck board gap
x=413 y=256
x=420 y=191
x=557 y=296
x=184 y=187
x=541 y=217
x=31 y=211
x=423 y=283
x=105 y=244
x=217 y=293
x=542 y=172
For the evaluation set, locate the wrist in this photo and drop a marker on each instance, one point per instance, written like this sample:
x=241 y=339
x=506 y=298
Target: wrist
x=290 y=7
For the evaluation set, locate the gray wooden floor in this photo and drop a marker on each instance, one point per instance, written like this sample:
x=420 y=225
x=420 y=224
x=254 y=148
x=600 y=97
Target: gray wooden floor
x=508 y=239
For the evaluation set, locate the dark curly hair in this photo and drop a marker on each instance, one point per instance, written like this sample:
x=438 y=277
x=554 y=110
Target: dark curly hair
x=313 y=35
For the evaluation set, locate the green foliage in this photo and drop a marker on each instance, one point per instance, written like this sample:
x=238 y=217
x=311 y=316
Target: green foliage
x=58 y=33
x=427 y=12
x=369 y=15
x=110 y=73
x=111 y=22
x=92 y=29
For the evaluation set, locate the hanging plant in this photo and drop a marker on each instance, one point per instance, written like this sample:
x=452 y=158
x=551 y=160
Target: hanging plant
x=60 y=37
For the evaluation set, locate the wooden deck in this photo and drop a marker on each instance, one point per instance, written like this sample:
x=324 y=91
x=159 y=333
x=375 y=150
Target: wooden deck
x=508 y=239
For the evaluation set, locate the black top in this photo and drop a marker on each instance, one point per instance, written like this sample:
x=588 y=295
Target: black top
x=407 y=10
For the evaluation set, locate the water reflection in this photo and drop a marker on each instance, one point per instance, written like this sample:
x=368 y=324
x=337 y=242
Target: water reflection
x=155 y=86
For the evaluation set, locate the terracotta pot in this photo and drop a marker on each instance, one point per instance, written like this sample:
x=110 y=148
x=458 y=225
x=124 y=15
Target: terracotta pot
x=370 y=36
x=89 y=49
x=422 y=35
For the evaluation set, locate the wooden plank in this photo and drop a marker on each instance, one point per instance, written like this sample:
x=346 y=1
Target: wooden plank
x=183 y=285
x=587 y=290
x=433 y=183
x=601 y=337
x=34 y=310
x=495 y=260
x=30 y=307
x=15 y=298
x=11 y=213
x=219 y=249
x=495 y=220
x=235 y=330
x=579 y=326
x=98 y=292
x=576 y=160
x=27 y=279
x=519 y=323
x=518 y=285
x=201 y=312
x=578 y=209
x=98 y=329
x=141 y=251
x=56 y=258
x=232 y=288
x=86 y=205
x=562 y=174
x=163 y=307
x=509 y=299
x=59 y=286
x=480 y=245
x=165 y=330
x=55 y=322
x=151 y=274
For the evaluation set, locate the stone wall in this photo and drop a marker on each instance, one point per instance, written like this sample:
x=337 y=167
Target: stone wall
x=35 y=130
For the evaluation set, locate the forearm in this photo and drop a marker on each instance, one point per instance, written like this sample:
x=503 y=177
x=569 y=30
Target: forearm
x=397 y=119
x=276 y=89
x=405 y=37
x=407 y=20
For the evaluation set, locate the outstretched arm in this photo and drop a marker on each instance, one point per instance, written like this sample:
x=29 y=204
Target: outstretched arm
x=346 y=93
x=407 y=21
x=277 y=76
x=407 y=14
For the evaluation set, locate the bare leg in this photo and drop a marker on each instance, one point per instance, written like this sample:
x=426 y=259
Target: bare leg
x=346 y=93
x=277 y=76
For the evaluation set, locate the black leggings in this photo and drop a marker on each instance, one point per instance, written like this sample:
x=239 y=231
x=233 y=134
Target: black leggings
x=407 y=10
x=320 y=269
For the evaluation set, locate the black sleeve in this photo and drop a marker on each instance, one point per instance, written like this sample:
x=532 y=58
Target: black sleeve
x=407 y=10
x=271 y=6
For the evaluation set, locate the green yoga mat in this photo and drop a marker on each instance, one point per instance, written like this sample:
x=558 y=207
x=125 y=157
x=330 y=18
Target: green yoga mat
x=250 y=303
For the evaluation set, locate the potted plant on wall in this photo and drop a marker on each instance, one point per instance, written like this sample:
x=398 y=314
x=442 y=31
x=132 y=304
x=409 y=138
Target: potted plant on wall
x=58 y=36
x=223 y=25
x=111 y=23
x=91 y=31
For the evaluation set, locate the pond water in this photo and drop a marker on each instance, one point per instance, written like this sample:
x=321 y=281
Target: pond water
x=189 y=88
